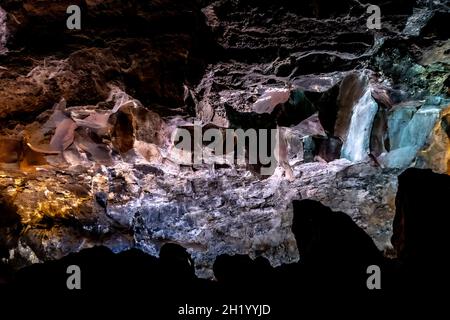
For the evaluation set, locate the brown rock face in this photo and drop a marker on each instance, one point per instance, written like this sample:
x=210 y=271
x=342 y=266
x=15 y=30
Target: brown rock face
x=436 y=155
x=10 y=150
x=352 y=89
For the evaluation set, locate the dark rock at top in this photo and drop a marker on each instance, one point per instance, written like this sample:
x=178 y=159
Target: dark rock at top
x=119 y=42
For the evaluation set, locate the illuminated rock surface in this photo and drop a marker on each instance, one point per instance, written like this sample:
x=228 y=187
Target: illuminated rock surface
x=87 y=118
x=357 y=143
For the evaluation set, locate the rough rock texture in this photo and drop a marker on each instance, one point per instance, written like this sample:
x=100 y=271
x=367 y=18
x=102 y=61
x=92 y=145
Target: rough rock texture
x=231 y=213
x=87 y=119
x=125 y=43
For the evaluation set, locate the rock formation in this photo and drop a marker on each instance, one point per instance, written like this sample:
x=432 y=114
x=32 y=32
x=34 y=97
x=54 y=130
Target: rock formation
x=88 y=119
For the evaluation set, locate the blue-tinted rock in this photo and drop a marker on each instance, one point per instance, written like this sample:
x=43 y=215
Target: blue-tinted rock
x=399 y=158
x=411 y=132
x=418 y=129
x=417 y=21
x=398 y=119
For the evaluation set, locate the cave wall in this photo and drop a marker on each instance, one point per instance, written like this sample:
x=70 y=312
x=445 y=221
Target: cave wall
x=87 y=120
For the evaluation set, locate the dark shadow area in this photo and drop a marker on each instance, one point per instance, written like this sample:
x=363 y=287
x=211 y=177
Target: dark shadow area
x=421 y=230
